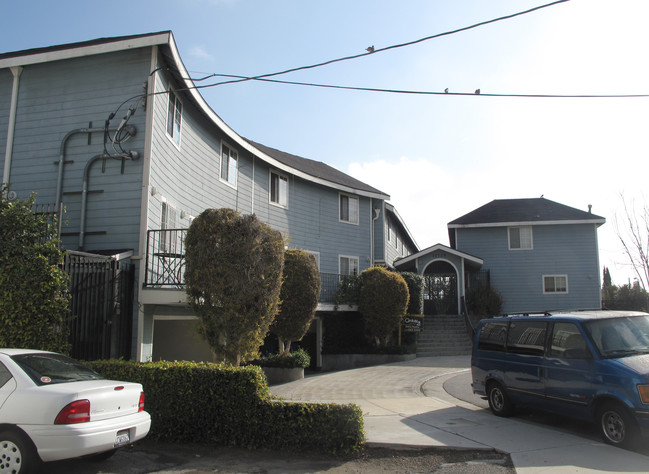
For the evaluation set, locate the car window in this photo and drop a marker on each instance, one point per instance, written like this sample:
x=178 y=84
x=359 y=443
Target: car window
x=568 y=342
x=5 y=375
x=620 y=337
x=527 y=337
x=492 y=336
x=46 y=369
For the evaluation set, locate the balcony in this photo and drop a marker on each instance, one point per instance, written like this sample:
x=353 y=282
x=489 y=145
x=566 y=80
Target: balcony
x=165 y=269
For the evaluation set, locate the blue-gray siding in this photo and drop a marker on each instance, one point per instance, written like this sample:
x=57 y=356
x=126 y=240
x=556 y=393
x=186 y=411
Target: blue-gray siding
x=518 y=274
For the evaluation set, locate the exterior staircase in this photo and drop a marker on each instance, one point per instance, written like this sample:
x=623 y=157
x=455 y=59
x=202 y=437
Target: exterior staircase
x=443 y=335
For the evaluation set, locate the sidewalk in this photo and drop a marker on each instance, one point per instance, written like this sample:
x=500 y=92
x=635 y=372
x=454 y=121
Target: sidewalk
x=405 y=404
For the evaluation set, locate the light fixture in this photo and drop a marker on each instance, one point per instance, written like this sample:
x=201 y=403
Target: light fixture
x=154 y=191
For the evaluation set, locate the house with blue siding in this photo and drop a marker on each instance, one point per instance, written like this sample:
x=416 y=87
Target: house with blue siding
x=115 y=132
x=541 y=255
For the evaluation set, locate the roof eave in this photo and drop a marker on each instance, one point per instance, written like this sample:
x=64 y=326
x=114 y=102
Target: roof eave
x=86 y=50
x=598 y=222
x=243 y=143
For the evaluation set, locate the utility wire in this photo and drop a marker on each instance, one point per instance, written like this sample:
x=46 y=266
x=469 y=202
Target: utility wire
x=372 y=50
x=416 y=92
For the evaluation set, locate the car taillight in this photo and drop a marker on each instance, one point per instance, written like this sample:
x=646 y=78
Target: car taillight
x=140 y=406
x=75 y=412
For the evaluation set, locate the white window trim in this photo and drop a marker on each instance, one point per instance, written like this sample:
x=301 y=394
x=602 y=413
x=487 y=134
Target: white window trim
x=317 y=257
x=270 y=184
x=182 y=118
x=236 y=179
x=509 y=243
x=350 y=257
x=358 y=208
x=555 y=292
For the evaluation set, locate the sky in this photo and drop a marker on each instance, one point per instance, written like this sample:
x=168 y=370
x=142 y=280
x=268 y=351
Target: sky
x=439 y=156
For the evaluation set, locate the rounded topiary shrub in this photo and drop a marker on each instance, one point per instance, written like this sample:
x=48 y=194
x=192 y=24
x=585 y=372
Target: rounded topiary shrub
x=383 y=302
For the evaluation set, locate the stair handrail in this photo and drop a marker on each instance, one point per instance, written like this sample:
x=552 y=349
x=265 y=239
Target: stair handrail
x=467 y=320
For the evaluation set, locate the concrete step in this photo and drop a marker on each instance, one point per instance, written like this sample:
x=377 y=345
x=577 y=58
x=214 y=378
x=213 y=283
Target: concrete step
x=443 y=335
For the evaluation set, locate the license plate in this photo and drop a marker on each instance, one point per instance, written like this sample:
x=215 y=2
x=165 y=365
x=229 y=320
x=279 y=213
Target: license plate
x=123 y=437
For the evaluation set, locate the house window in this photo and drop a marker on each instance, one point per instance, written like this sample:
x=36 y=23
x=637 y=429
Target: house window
x=520 y=238
x=278 y=189
x=390 y=231
x=348 y=265
x=229 y=160
x=316 y=255
x=174 y=117
x=168 y=220
x=555 y=284
x=348 y=209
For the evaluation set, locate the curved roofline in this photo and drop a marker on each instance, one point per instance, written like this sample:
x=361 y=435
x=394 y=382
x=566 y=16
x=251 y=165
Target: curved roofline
x=209 y=112
x=166 y=39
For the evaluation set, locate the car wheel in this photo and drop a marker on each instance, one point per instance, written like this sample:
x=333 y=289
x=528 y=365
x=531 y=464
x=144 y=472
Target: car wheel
x=616 y=426
x=17 y=453
x=499 y=400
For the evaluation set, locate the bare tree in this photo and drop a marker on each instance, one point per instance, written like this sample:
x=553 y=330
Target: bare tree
x=633 y=233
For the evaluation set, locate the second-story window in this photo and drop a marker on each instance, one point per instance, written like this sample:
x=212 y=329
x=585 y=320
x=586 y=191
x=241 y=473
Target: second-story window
x=174 y=117
x=168 y=220
x=278 y=189
x=348 y=209
x=229 y=160
x=520 y=238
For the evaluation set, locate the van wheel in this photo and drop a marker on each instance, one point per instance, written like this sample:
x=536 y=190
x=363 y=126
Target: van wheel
x=17 y=453
x=616 y=425
x=499 y=400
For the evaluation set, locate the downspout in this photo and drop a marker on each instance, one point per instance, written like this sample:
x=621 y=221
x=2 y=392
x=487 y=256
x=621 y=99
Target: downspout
x=131 y=155
x=13 y=108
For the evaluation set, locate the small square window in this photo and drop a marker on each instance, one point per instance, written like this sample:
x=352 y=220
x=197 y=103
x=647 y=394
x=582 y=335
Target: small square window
x=348 y=265
x=278 y=189
x=229 y=162
x=520 y=238
x=348 y=209
x=555 y=284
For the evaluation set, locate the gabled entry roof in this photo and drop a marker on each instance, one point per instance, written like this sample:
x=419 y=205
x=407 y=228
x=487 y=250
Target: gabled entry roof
x=406 y=261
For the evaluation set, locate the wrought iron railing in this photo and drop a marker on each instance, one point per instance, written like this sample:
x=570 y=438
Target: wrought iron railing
x=165 y=268
x=165 y=258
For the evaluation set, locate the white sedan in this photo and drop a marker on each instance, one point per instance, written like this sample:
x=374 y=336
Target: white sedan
x=53 y=407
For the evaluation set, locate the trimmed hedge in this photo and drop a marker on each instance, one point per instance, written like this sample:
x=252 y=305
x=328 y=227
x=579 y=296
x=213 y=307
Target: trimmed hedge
x=231 y=406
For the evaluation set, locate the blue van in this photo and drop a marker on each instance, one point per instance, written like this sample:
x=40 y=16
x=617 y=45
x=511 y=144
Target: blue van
x=591 y=365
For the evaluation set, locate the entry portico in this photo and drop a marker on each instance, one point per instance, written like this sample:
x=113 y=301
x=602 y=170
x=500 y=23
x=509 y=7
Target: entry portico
x=442 y=263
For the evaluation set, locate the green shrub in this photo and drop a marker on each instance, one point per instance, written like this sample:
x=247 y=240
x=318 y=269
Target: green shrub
x=484 y=301
x=415 y=284
x=231 y=406
x=34 y=298
x=295 y=359
x=383 y=302
x=299 y=298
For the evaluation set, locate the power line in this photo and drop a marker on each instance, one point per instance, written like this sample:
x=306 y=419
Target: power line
x=372 y=50
x=417 y=92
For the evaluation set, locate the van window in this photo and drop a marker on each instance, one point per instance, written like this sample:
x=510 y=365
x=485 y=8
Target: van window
x=527 y=337
x=492 y=336
x=568 y=342
x=620 y=337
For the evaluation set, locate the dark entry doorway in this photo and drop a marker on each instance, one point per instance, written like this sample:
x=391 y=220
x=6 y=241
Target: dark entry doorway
x=440 y=296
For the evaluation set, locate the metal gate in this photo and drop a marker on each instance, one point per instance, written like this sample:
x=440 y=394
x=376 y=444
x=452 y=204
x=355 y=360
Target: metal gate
x=101 y=306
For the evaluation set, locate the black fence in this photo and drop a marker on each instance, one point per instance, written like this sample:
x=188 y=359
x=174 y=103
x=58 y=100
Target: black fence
x=101 y=306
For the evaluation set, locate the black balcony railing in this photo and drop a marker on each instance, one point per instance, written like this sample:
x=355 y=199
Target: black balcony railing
x=165 y=258
x=165 y=268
